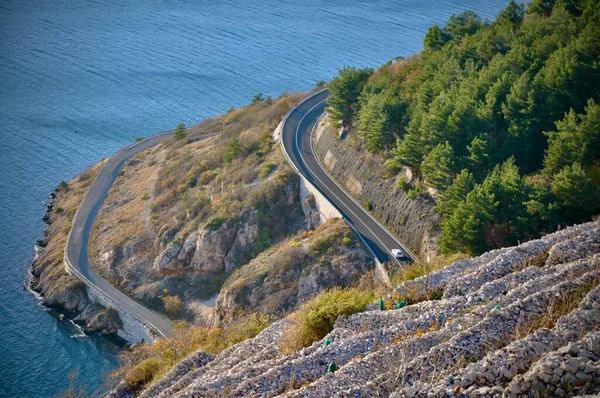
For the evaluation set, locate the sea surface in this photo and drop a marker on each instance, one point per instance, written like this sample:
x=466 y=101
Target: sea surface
x=80 y=79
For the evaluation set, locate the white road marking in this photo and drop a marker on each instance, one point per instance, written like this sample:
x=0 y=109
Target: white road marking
x=312 y=147
x=337 y=197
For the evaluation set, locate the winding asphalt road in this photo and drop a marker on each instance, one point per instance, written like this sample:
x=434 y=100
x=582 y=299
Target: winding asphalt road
x=297 y=143
x=76 y=250
x=296 y=138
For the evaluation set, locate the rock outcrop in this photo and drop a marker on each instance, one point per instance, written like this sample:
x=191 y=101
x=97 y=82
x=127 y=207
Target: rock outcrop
x=520 y=321
x=287 y=275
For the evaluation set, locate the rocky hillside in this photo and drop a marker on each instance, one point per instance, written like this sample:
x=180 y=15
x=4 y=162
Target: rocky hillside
x=414 y=221
x=219 y=205
x=519 y=321
x=294 y=271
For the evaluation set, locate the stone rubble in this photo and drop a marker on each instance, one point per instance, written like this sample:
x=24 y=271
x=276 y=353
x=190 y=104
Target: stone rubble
x=462 y=345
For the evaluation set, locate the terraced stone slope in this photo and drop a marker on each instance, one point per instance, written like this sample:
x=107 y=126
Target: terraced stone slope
x=520 y=321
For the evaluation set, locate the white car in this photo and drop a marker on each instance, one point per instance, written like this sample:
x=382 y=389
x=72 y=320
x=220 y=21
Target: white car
x=397 y=253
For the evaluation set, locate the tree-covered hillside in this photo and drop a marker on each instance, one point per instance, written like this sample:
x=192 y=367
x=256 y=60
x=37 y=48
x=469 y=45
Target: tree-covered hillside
x=502 y=118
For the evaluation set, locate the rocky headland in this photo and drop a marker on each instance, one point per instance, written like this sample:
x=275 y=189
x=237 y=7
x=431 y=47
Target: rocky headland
x=205 y=231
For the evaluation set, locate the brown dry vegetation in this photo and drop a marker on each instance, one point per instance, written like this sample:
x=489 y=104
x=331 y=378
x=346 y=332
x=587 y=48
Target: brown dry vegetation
x=145 y=364
x=561 y=305
x=182 y=185
x=51 y=279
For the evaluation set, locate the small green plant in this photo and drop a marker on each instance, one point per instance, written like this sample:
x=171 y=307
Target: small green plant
x=215 y=223
x=263 y=240
x=143 y=373
x=316 y=317
x=415 y=193
x=258 y=98
x=266 y=169
x=233 y=150
x=319 y=84
x=368 y=205
x=403 y=185
x=180 y=131
x=346 y=241
x=63 y=186
x=59 y=210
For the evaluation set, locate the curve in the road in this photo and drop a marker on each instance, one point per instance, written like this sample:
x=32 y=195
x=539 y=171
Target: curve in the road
x=77 y=259
x=297 y=143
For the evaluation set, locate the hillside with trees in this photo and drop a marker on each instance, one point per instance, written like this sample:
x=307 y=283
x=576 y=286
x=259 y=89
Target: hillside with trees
x=501 y=119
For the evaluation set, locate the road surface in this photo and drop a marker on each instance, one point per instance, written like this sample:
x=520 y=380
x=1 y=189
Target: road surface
x=76 y=250
x=297 y=142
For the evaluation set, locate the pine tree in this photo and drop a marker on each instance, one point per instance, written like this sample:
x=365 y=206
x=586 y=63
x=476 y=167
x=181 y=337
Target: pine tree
x=439 y=166
x=344 y=91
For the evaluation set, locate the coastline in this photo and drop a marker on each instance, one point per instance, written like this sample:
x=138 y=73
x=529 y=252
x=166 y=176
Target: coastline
x=62 y=295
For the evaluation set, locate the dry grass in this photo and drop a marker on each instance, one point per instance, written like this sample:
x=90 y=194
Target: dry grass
x=417 y=292
x=561 y=305
x=49 y=267
x=315 y=319
x=182 y=184
x=145 y=364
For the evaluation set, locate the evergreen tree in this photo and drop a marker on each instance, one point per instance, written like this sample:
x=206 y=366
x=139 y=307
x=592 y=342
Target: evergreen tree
x=577 y=197
x=576 y=139
x=180 y=131
x=450 y=198
x=439 y=166
x=480 y=151
x=435 y=38
x=233 y=150
x=464 y=230
x=466 y=23
x=379 y=120
x=344 y=91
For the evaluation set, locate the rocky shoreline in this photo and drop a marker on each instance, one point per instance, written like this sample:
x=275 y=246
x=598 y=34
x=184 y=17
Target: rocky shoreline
x=64 y=295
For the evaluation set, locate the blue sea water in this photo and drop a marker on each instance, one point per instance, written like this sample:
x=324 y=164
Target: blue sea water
x=80 y=79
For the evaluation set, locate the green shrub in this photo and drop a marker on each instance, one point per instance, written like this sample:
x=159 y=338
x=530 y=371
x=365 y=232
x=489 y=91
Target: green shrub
x=257 y=99
x=403 y=185
x=215 y=223
x=266 y=168
x=415 y=193
x=368 y=205
x=346 y=241
x=173 y=304
x=59 y=210
x=319 y=84
x=263 y=240
x=143 y=373
x=233 y=150
x=315 y=319
x=63 y=186
x=180 y=131
x=212 y=284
